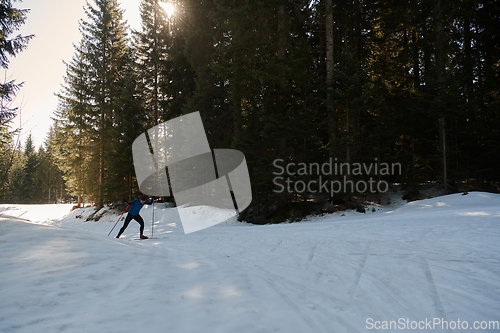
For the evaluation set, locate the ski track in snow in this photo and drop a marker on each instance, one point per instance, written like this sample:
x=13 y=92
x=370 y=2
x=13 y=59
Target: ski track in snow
x=435 y=258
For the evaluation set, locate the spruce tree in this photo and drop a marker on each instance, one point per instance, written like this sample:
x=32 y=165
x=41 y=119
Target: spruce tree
x=30 y=171
x=74 y=127
x=16 y=179
x=50 y=176
x=96 y=82
x=11 y=19
x=151 y=46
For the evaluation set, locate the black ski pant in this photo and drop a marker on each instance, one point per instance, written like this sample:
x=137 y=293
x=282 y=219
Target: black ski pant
x=129 y=218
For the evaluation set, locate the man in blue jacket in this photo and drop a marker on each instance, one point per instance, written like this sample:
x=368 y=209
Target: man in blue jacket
x=133 y=213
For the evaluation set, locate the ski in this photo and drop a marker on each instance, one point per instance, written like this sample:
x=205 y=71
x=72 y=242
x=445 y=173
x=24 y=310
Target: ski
x=140 y=239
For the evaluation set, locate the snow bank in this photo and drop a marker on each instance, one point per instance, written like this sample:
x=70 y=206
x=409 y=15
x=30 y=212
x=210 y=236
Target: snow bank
x=45 y=214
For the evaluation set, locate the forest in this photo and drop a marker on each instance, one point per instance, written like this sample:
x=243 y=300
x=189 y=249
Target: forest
x=411 y=83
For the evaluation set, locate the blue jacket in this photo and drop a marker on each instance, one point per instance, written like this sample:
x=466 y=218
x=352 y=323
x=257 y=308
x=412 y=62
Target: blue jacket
x=136 y=205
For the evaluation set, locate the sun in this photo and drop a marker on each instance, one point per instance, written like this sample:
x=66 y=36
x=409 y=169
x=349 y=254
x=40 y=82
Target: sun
x=169 y=8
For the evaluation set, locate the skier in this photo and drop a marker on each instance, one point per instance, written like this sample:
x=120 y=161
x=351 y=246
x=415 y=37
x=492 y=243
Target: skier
x=133 y=213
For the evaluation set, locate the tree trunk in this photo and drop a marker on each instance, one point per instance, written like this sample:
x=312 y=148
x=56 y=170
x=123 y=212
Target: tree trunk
x=330 y=109
x=442 y=131
x=155 y=63
x=440 y=80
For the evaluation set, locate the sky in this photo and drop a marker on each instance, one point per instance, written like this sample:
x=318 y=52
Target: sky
x=41 y=67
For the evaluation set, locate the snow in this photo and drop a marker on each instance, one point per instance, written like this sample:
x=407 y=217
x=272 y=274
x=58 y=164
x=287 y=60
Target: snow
x=428 y=262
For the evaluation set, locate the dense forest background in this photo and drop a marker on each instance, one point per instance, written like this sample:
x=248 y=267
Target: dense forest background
x=414 y=82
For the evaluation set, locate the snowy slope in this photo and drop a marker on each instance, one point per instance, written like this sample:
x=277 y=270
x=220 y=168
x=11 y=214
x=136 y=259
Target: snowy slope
x=429 y=260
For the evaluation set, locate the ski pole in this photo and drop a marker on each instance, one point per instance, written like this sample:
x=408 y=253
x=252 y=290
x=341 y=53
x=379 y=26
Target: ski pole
x=153 y=222
x=118 y=220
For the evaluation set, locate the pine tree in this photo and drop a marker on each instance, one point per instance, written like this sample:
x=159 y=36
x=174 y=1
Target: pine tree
x=11 y=19
x=131 y=120
x=50 y=176
x=7 y=154
x=151 y=46
x=95 y=95
x=74 y=127
x=178 y=82
x=108 y=55
x=16 y=180
x=30 y=171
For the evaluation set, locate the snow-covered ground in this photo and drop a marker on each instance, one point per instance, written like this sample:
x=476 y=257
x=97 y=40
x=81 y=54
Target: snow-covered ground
x=428 y=266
